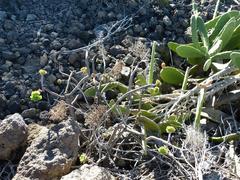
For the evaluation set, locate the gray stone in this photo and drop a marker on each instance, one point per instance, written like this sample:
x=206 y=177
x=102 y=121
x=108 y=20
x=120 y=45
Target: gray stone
x=89 y=172
x=3 y=101
x=51 y=79
x=159 y=29
x=167 y=21
x=49 y=27
x=137 y=28
x=73 y=58
x=8 y=55
x=117 y=49
x=51 y=153
x=31 y=17
x=3 y=15
x=13 y=134
x=56 y=45
x=44 y=59
x=74 y=43
x=125 y=72
x=30 y=113
x=8 y=25
x=128 y=60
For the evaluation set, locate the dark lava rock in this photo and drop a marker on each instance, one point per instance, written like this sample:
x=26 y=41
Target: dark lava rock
x=117 y=49
x=30 y=113
x=3 y=101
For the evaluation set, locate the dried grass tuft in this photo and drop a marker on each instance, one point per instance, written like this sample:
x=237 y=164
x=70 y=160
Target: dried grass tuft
x=58 y=113
x=96 y=115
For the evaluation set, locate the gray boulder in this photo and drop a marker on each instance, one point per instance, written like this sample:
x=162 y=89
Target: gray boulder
x=89 y=172
x=51 y=154
x=13 y=134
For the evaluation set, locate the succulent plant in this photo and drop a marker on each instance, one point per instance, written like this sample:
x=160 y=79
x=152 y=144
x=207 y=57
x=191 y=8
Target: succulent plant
x=36 y=96
x=220 y=38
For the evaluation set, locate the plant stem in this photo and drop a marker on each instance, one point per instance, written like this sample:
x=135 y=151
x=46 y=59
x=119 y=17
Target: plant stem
x=199 y=108
x=226 y=138
x=184 y=85
x=216 y=9
x=152 y=63
x=144 y=141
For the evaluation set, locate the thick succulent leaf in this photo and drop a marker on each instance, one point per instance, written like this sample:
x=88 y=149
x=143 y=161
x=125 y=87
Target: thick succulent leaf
x=187 y=51
x=234 y=42
x=173 y=120
x=219 y=25
x=203 y=32
x=140 y=79
x=91 y=92
x=173 y=46
x=149 y=125
x=207 y=64
x=147 y=114
x=235 y=57
x=212 y=23
x=195 y=61
x=194 y=29
x=118 y=109
x=221 y=56
x=216 y=48
x=172 y=75
x=226 y=34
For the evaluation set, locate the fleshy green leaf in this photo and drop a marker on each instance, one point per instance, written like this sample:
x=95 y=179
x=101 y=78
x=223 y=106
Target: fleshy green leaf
x=91 y=92
x=207 y=65
x=216 y=48
x=149 y=125
x=187 y=51
x=140 y=79
x=226 y=34
x=194 y=28
x=172 y=75
x=203 y=32
x=212 y=23
x=235 y=57
x=219 y=25
x=173 y=46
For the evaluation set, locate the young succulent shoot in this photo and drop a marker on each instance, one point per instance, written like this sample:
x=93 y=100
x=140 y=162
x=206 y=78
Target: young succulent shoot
x=83 y=158
x=36 y=96
x=197 y=122
x=42 y=73
x=163 y=150
x=84 y=70
x=170 y=130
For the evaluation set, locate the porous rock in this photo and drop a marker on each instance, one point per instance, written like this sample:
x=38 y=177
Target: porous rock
x=89 y=172
x=13 y=134
x=51 y=154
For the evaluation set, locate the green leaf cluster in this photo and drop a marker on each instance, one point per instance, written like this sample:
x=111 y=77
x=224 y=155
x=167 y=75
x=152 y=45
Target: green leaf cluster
x=216 y=41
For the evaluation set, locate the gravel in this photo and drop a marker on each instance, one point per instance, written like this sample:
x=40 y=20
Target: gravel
x=33 y=33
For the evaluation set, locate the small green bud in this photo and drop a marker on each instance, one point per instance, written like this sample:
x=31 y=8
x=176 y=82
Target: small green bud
x=156 y=90
x=84 y=70
x=83 y=158
x=59 y=81
x=158 y=83
x=42 y=72
x=163 y=150
x=170 y=129
x=36 y=96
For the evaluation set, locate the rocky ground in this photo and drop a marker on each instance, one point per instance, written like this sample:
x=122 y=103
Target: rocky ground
x=35 y=34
